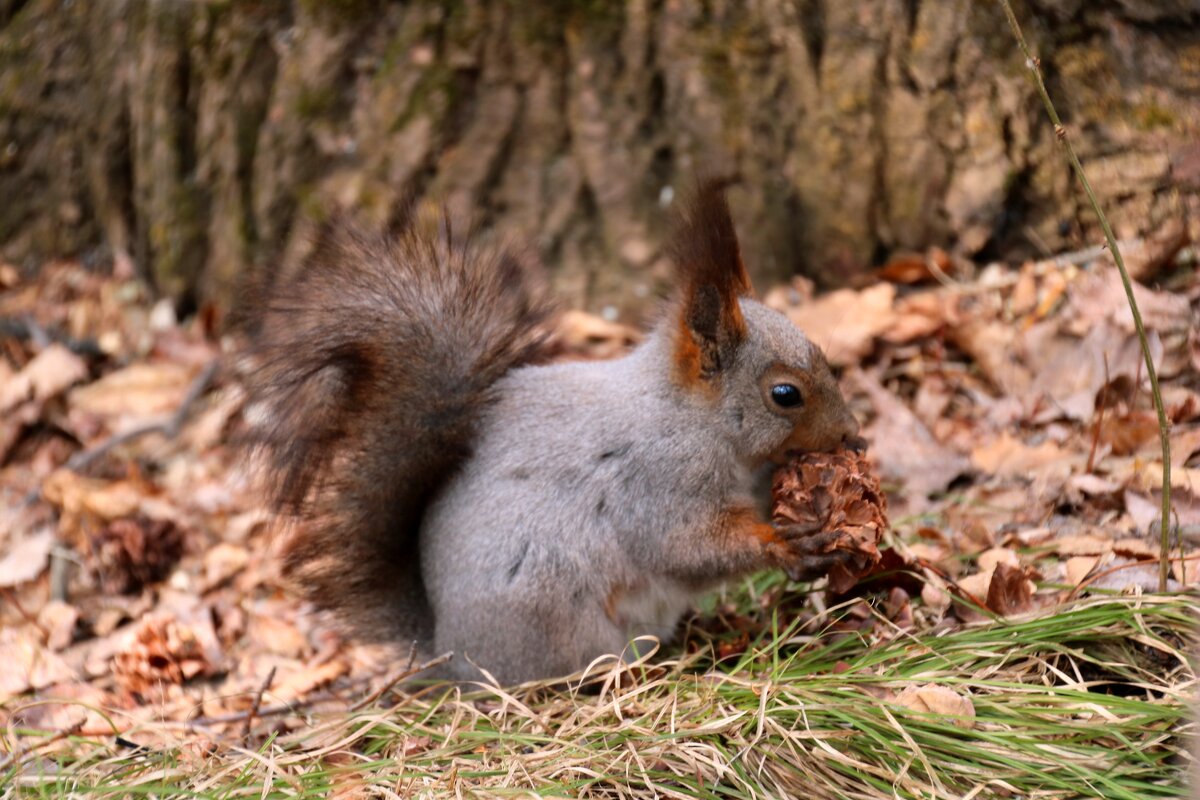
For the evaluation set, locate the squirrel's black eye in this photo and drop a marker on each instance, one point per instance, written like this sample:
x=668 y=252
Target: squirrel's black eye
x=786 y=396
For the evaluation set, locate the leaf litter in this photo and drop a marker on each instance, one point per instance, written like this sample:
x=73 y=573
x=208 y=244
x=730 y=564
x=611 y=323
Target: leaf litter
x=1005 y=411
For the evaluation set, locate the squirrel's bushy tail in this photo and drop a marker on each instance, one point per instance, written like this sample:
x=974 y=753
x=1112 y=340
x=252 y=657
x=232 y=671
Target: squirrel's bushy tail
x=370 y=371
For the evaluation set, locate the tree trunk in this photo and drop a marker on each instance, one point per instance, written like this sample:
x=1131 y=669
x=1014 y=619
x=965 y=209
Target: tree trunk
x=206 y=139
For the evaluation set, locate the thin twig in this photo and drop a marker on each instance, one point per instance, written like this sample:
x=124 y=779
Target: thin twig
x=1091 y=461
x=258 y=696
x=404 y=674
x=940 y=274
x=1164 y=429
x=19 y=754
x=169 y=427
x=27 y=327
x=1091 y=578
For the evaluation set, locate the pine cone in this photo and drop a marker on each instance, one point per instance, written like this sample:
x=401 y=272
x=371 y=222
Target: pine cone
x=835 y=492
x=132 y=552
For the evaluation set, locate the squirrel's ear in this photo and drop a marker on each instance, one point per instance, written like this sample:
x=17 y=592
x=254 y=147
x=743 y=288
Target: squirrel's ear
x=711 y=279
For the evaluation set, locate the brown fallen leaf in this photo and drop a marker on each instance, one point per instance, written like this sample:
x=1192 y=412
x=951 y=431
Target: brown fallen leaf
x=910 y=268
x=934 y=593
x=898 y=608
x=139 y=390
x=1083 y=544
x=990 y=559
x=1030 y=537
x=78 y=496
x=47 y=375
x=582 y=334
x=278 y=636
x=1024 y=295
x=1142 y=575
x=991 y=344
x=299 y=683
x=834 y=492
x=1184 y=445
x=10 y=276
x=1186 y=570
x=27 y=558
x=975 y=587
x=1011 y=589
x=904 y=448
x=1128 y=433
x=919 y=316
x=1099 y=297
x=1007 y=456
x=1132 y=547
x=1071 y=371
x=28 y=664
x=58 y=620
x=222 y=562
x=846 y=322
x=1077 y=568
x=940 y=700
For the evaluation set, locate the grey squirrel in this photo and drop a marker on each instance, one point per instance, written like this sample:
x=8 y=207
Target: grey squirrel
x=529 y=517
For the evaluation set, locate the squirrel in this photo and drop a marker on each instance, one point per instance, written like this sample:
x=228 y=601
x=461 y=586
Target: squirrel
x=451 y=490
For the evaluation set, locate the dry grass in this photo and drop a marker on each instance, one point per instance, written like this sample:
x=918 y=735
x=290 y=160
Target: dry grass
x=1089 y=701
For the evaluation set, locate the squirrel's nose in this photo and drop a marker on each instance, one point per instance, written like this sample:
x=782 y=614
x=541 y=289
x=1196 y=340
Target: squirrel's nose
x=854 y=442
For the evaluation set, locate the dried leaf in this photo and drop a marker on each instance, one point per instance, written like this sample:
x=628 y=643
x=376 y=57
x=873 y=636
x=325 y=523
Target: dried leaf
x=1083 y=544
x=26 y=560
x=47 y=375
x=78 y=496
x=904 y=448
x=1010 y=590
x=940 y=700
x=1184 y=445
x=846 y=322
x=990 y=559
x=584 y=334
x=1078 y=567
x=991 y=344
x=1098 y=298
x=27 y=664
x=976 y=586
x=905 y=268
x=1009 y=457
x=58 y=620
x=300 y=683
x=934 y=594
x=222 y=562
x=278 y=636
x=1134 y=548
x=898 y=608
x=1126 y=434
x=139 y=390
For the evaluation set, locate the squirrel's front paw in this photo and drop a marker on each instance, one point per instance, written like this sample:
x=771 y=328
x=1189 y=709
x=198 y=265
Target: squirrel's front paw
x=811 y=552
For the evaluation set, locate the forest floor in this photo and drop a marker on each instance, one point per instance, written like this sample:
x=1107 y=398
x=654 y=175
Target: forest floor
x=1014 y=644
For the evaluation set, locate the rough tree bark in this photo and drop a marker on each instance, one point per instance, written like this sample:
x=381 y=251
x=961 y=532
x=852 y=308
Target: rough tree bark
x=205 y=139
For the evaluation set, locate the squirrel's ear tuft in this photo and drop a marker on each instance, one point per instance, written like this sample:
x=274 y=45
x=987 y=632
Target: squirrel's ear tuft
x=711 y=279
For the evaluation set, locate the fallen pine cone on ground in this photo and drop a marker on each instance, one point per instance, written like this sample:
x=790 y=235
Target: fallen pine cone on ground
x=834 y=492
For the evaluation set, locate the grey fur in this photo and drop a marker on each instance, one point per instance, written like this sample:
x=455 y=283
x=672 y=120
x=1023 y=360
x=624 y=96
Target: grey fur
x=587 y=477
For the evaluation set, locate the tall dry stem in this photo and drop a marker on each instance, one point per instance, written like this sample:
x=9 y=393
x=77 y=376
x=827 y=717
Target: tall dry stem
x=1164 y=428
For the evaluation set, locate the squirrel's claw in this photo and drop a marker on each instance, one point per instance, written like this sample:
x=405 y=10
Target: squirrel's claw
x=811 y=552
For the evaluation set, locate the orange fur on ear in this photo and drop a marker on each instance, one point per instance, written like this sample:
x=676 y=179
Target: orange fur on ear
x=711 y=277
